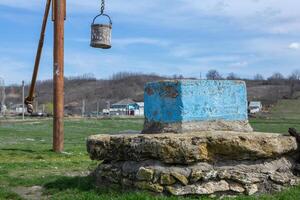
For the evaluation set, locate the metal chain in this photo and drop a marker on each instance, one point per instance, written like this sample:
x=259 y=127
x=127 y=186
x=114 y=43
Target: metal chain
x=102 y=6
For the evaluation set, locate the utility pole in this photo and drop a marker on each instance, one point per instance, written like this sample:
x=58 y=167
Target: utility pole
x=36 y=106
x=97 y=109
x=108 y=107
x=23 y=100
x=59 y=12
x=83 y=108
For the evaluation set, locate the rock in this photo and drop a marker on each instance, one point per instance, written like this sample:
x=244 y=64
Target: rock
x=127 y=182
x=145 y=174
x=190 y=147
x=280 y=178
x=213 y=187
x=277 y=188
x=224 y=174
x=129 y=167
x=200 y=189
x=181 y=178
x=143 y=185
x=196 y=175
x=294 y=181
x=251 y=189
x=246 y=177
x=167 y=179
x=235 y=187
x=212 y=174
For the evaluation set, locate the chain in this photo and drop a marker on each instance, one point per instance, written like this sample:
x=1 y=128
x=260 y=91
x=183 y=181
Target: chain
x=102 y=6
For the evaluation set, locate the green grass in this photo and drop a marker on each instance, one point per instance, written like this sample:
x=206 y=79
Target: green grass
x=275 y=125
x=26 y=160
x=286 y=109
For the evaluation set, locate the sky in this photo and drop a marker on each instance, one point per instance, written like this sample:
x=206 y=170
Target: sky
x=165 y=37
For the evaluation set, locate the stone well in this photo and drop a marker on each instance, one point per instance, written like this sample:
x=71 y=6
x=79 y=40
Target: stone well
x=196 y=141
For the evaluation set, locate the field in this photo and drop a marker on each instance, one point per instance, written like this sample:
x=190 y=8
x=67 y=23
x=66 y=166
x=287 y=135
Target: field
x=26 y=160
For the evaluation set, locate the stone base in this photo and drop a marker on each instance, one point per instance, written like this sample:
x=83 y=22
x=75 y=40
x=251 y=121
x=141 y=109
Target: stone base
x=183 y=127
x=190 y=148
x=230 y=177
x=197 y=163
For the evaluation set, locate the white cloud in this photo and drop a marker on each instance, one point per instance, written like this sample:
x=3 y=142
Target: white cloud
x=294 y=45
x=273 y=16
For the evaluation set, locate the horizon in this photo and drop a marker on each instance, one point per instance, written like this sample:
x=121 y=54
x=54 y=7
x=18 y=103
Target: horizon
x=173 y=37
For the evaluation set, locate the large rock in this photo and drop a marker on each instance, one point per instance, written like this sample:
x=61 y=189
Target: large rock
x=190 y=147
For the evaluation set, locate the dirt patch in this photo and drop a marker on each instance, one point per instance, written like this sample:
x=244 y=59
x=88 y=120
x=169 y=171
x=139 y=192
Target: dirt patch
x=31 y=193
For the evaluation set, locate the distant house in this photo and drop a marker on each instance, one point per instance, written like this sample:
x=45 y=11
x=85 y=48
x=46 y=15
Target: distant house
x=17 y=108
x=2 y=108
x=126 y=107
x=255 y=107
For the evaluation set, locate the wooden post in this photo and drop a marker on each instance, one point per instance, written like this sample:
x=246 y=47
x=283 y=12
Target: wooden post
x=83 y=108
x=58 y=75
x=97 y=109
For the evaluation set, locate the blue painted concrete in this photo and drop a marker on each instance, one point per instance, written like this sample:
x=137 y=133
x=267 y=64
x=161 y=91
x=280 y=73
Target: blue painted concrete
x=195 y=100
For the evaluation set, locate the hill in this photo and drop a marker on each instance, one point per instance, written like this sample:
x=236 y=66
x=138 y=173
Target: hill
x=77 y=89
x=130 y=85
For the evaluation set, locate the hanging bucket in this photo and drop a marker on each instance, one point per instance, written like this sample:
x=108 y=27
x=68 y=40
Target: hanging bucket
x=101 y=34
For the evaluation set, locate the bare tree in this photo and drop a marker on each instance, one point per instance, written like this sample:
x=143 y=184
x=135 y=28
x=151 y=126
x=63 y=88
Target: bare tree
x=276 y=79
x=179 y=76
x=213 y=75
x=232 y=76
x=258 y=77
x=276 y=76
x=295 y=75
x=293 y=79
x=2 y=95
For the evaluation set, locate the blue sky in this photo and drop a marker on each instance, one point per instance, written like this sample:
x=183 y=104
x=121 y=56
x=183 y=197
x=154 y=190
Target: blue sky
x=166 y=37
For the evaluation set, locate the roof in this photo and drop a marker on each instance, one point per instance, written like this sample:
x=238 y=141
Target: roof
x=124 y=102
x=255 y=103
x=141 y=104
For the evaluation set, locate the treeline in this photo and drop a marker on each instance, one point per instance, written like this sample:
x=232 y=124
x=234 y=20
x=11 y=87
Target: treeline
x=277 y=76
x=87 y=88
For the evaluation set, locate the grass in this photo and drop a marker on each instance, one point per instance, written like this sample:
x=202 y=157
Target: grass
x=26 y=160
x=286 y=109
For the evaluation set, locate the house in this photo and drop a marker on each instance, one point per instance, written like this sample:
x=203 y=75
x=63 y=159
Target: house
x=255 y=107
x=140 y=111
x=2 y=108
x=127 y=107
x=18 y=108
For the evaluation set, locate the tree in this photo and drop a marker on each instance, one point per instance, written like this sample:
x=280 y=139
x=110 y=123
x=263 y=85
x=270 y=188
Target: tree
x=276 y=76
x=258 y=77
x=232 y=76
x=276 y=79
x=293 y=79
x=295 y=76
x=175 y=76
x=49 y=108
x=213 y=75
x=2 y=95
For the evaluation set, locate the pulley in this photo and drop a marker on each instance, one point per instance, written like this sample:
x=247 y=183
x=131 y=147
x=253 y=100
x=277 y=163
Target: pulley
x=101 y=33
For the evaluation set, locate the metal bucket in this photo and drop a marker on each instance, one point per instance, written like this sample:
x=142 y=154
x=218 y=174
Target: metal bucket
x=101 y=34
